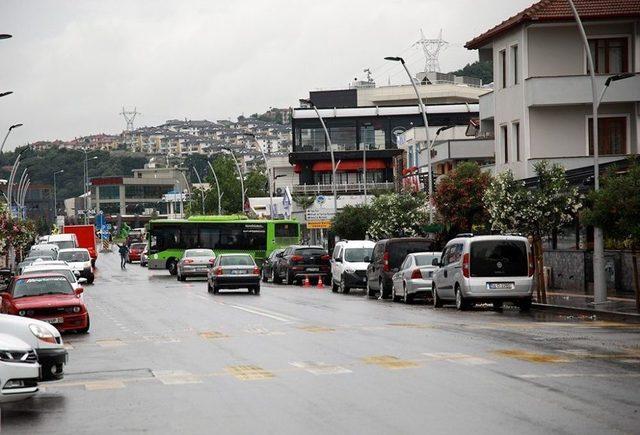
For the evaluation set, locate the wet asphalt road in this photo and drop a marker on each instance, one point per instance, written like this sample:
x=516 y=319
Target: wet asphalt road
x=167 y=357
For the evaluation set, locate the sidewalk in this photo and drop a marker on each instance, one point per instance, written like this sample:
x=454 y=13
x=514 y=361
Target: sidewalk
x=616 y=304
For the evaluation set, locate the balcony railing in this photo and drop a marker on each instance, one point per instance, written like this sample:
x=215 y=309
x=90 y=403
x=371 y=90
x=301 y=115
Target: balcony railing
x=341 y=188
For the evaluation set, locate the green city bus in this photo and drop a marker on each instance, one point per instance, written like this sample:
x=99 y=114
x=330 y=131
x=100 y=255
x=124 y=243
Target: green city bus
x=168 y=238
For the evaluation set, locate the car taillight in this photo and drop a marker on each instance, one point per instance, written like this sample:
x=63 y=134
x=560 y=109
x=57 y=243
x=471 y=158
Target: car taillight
x=256 y=270
x=416 y=274
x=295 y=258
x=466 y=265
x=326 y=257
x=218 y=271
x=188 y=261
x=385 y=261
x=532 y=263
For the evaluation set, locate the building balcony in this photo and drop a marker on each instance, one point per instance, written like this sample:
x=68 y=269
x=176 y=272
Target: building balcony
x=313 y=189
x=565 y=90
x=463 y=149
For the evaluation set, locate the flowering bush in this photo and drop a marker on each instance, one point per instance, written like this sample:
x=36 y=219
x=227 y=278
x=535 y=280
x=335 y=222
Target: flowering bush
x=398 y=215
x=15 y=232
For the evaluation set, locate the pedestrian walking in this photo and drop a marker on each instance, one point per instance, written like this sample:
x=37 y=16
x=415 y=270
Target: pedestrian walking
x=124 y=255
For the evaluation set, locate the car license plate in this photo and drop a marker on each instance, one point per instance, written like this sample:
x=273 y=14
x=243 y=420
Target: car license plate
x=313 y=269
x=54 y=321
x=238 y=272
x=501 y=285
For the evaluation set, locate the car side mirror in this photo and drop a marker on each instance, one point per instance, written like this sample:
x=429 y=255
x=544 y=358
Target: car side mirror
x=435 y=262
x=82 y=280
x=338 y=260
x=79 y=291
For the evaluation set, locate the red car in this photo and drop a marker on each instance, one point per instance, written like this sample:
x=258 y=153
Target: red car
x=48 y=297
x=135 y=251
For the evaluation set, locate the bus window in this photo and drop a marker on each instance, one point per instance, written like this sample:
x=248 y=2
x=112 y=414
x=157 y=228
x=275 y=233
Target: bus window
x=286 y=230
x=166 y=237
x=209 y=235
x=242 y=237
x=189 y=237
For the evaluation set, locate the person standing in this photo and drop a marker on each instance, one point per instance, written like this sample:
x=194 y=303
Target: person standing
x=124 y=254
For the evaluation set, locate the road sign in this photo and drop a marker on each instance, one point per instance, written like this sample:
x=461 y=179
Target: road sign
x=319 y=215
x=315 y=225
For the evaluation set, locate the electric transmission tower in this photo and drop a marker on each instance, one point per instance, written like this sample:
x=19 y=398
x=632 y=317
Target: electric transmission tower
x=431 y=49
x=129 y=117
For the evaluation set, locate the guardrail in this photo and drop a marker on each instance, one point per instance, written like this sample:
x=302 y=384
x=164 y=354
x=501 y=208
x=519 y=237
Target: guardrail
x=341 y=188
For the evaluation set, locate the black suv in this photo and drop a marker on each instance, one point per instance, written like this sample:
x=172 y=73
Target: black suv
x=387 y=257
x=299 y=261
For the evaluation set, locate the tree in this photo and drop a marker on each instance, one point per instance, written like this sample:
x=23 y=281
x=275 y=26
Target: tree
x=616 y=209
x=480 y=69
x=534 y=212
x=398 y=215
x=459 y=198
x=352 y=222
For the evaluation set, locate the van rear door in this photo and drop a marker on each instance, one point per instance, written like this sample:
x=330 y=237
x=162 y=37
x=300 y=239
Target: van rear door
x=498 y=258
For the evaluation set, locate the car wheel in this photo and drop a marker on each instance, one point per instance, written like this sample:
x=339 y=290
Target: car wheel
x=407 y=298
x=86 y=329
x=173 y=267
x=209 y=289
x=90 y=279
x=370 y=293
x=276 y=277
x=289 y=280
x=497 y=305
x=525 y=305
x=334 y=286
x=181 y=277
x=461 y=303
x=256 y=291
x=437 y=302
x=343 y=286
x=216 y=290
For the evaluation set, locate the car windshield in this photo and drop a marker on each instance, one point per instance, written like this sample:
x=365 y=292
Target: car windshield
x=357 y=254
x=199 y=253
x=48 y=285
x=73 y=256
x=426 y=259
x=67 y=273
x=236 y=260
x=33 y=255
x=65 y=244
x=499 y=258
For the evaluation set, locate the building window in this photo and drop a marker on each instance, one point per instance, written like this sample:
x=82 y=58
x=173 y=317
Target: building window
x=610 y=55
x=373 y=135
x=109 y=192
x=343 y=138
x=612 y=135
x=410 y=154
x=514 y=63
x=515 y=130
x=504 y=140
x=311 y=139
x=502 y=63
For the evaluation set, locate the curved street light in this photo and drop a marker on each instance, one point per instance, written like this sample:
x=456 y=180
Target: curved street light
x=4 y=94
x=7 y=135
x=239 y=174
x=215 y=177
x=5 y=36
x=269 y=172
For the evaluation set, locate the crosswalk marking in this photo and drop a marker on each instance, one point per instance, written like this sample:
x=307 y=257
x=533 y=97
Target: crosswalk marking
x=249 y=372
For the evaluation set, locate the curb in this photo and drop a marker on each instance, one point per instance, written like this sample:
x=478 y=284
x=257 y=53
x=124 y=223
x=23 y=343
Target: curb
x=597 y=314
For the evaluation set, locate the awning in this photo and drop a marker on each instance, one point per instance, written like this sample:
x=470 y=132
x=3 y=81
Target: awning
x=297 y=168
x=349 y=165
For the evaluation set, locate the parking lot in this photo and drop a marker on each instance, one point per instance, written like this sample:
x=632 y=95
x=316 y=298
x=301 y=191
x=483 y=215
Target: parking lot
x=166 y=356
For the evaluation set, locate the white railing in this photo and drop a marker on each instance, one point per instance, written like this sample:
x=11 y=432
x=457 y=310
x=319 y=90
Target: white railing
x=341 y=188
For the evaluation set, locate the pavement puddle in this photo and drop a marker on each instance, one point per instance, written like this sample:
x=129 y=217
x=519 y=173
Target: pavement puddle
x=390 y=362
x=531 y=356
x=320 y=368
x=249 y=372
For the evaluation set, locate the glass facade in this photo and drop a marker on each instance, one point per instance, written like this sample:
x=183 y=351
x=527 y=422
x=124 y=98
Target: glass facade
x=109 y=192
x=146 y=191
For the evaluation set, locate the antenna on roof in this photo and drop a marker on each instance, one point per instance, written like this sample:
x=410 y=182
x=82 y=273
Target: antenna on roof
x=431 y=49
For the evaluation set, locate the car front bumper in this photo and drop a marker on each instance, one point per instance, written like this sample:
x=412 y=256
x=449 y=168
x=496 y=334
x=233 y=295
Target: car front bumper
x=52 y=361
x=354 y=280
x=25 y=372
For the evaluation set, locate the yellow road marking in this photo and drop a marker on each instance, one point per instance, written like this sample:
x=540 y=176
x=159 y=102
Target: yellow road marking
x=316 y=329
x=249 y=372
x=103 y=385
x=212 y=335
x=530 y=356
x=110 y=342
x=389 y=362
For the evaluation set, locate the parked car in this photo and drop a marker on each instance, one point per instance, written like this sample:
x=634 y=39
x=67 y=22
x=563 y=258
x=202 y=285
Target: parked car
x=86 y=237
x=79 y=260
x=44 y=250
x=43 y=338
x=414 y=277
x=19 y=369
x=57 y=267
x=144 y=256
x=349 y=264
x=299 y=261
x=492 y=269
x=5 y=278
x=388 y=255
x=135 y=251
x=63 y=241
x=268 y=266
x=195 y=262
x=30 y=260
x=232 y=271
x=48 y=297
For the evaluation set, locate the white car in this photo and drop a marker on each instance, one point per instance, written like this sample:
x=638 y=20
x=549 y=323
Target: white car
x=57 y=267
x=43 y=338
x=63 y=241
x=48 y=249
x=79 y=261
x=349 y=264
x=19 y=369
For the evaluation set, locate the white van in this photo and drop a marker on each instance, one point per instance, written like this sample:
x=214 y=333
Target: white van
x=490 y=269
x=64 y=241
x=349 y=264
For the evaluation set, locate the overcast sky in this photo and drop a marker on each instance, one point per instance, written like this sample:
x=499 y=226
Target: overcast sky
x=73 y=64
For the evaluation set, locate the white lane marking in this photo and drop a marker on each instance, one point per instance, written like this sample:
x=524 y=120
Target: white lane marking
x=458 y=358
x=581 y=375
x=320 y=368
x=279 y=317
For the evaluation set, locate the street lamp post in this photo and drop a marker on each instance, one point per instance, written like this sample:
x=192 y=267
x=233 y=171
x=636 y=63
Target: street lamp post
x=215 y=177
x=21 y=183
x=201 y=189
x=239 y=174
x=7 y=135
x=333 y=160
x=4 y=94
x=431 y=145
x=55 y=192
x=269 y=172
x=423 y=110
x=86 y=184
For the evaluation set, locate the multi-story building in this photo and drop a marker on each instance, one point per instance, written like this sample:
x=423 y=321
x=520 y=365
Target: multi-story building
x=540 y=108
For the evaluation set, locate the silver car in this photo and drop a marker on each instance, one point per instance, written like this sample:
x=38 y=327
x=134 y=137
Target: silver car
x=414 y=276
x=195 y=262
x=485 y=269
